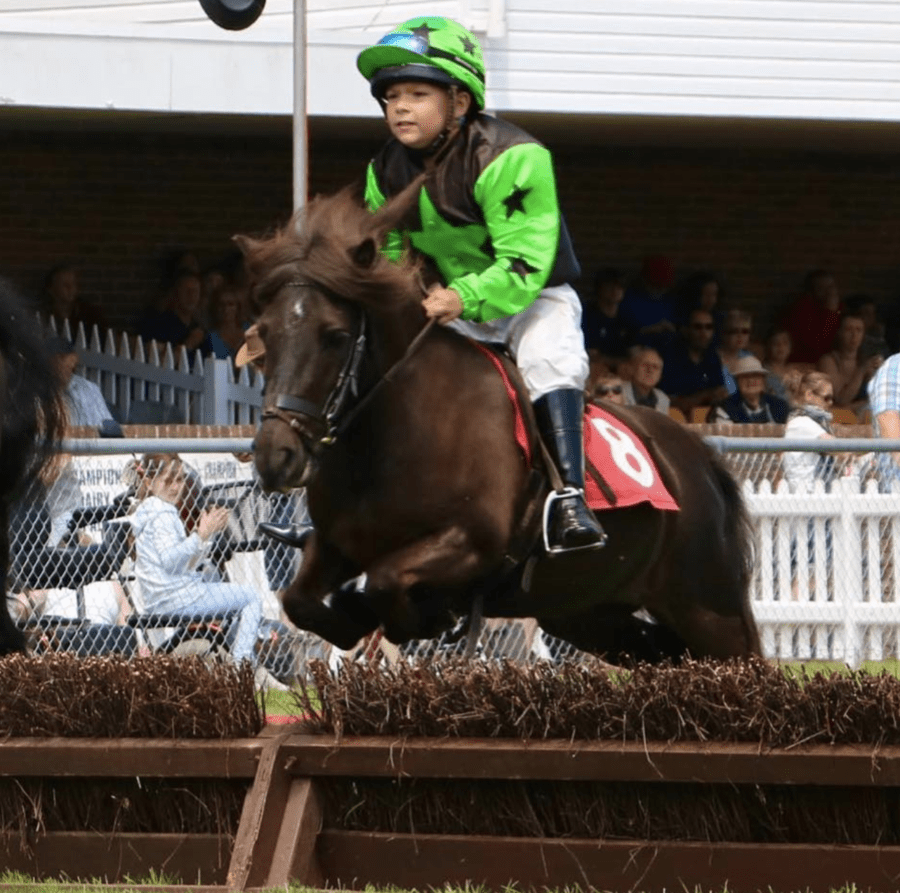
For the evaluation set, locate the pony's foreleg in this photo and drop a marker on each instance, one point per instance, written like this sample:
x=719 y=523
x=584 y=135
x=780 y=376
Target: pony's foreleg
x=321 y=600
x=446 y=560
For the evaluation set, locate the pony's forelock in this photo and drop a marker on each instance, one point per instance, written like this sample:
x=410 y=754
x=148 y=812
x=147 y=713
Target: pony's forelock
x=319 y=243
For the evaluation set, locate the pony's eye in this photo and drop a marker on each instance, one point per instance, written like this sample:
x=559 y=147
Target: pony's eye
x=334 y=339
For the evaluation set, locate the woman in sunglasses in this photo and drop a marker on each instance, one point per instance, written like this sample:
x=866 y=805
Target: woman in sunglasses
x=490 y=230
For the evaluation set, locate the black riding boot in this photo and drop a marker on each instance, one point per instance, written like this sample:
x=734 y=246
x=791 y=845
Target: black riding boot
x=571 y=524
x=289 y=534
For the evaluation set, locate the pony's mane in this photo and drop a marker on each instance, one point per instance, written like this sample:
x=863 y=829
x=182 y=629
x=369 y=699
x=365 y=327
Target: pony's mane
x=324 y=243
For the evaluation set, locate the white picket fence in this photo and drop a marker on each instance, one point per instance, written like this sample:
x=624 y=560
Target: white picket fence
x=144 y=385
x=826 y=582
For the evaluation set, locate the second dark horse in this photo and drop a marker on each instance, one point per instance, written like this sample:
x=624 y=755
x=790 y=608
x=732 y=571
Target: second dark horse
x=417 y=482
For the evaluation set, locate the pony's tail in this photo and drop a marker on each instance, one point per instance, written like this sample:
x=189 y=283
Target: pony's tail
x=738 y=530
x=33 y=414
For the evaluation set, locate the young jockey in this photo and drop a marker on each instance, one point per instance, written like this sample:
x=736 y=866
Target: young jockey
x=491 y=228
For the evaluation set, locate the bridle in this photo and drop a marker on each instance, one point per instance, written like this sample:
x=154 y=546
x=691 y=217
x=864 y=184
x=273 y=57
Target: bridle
x=338 y=411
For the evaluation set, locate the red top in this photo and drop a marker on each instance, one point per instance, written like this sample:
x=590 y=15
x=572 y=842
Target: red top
x=812 y=328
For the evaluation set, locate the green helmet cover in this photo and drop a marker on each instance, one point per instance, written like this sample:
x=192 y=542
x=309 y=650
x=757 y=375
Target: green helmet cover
x=413 y=49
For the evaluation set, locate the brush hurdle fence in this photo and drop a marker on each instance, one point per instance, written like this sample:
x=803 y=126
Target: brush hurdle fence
x=825 y=584
x=282 y=837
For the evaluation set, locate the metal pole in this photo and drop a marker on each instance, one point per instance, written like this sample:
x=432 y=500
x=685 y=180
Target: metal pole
x=301 y=173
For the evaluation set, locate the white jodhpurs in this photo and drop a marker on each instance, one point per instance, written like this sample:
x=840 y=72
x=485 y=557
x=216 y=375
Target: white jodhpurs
x=545 y=340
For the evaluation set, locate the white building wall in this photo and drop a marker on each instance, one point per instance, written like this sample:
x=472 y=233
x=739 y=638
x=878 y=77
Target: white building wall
x=818 y=59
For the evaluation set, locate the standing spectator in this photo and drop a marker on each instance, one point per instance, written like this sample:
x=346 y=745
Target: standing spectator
x=843 y=366
x=606 y=335
x=179 y=324
x=648 y=307
x=750 y=404
x=813 y=320
x=64 y=304
x=692 y=370
x=227 y=325
x=644 y=370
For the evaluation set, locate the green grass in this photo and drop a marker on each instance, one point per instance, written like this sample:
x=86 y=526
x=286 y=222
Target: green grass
x=13 y=881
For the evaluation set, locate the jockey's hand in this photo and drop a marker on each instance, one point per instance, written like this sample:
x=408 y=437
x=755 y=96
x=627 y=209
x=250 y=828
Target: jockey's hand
x=442 y=304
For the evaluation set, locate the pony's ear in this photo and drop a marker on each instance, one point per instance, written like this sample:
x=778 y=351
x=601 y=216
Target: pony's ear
x=364 y=254
x=394 y=213
x=246 y=244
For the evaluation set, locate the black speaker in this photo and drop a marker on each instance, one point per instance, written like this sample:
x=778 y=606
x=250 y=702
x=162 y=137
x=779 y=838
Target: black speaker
x=233 y=15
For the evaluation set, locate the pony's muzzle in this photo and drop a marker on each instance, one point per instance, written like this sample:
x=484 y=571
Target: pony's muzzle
x=280 y=457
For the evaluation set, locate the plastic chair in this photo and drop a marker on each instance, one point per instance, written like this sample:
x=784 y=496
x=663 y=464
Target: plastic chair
x=699 y=414
x=677 y=414
x=842 y=415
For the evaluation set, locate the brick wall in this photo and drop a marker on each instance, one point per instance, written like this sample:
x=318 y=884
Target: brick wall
x=116 y=201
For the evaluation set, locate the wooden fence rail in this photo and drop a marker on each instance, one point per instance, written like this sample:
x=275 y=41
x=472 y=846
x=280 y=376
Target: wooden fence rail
x=281 y=837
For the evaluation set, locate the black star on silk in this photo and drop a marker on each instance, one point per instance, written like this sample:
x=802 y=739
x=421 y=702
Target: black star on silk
x=522 y=267
x=515 y=201
x=468 y=46
x=487 y=247
x=423 y=30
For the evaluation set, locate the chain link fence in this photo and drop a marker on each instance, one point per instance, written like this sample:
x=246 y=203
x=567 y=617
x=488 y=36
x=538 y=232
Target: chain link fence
x=112 y=553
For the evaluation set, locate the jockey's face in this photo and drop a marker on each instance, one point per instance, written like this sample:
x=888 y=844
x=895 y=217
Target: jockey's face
x=417 y=112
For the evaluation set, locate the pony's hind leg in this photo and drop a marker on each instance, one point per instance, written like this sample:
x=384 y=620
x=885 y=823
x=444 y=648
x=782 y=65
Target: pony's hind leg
x=618 y=636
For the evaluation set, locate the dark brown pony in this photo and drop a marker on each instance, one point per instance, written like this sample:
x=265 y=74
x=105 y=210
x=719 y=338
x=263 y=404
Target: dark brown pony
x=414 y=478
x=31 y=424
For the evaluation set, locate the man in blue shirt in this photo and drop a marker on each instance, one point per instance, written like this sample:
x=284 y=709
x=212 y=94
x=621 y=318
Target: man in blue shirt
x=692 y=370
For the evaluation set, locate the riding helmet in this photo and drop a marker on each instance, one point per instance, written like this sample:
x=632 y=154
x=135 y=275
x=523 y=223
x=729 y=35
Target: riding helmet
x=431 y=49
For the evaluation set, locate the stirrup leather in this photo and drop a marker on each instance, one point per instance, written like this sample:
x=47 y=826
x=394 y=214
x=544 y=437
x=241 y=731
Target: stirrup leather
x=552 y=497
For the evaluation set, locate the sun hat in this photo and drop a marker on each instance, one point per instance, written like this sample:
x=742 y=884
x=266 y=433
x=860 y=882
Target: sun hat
x=252 y=348
x=748 y=366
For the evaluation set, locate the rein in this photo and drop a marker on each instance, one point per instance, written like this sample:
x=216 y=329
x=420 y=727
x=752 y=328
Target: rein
x=289 y=409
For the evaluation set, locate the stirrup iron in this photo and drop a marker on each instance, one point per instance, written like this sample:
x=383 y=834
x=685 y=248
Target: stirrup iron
x=552 y=497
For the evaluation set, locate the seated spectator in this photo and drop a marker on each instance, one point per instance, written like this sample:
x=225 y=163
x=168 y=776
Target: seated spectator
x=843 y=366
x=643 y=372
x=227 y=325
x=781 y=378
x=811 y=419
x=606 y=335
x=179 y=324
x=168 y=560
x=701 y=290
x=874 y=341
x=692 y=370
x=84 y=401
x=751 y=403
x=813 y=320
x=733 y=345
x=607 y=389
x=648 y=307
x=63 y=303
